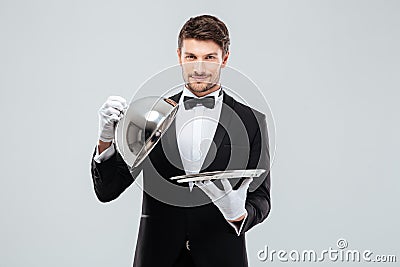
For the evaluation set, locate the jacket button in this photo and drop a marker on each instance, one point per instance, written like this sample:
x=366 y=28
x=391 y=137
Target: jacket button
x=187 y=245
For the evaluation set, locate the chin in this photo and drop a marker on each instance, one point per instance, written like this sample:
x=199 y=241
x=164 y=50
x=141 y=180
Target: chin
x=203 y=87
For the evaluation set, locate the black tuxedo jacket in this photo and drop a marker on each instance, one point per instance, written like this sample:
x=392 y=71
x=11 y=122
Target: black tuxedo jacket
x=172 y=216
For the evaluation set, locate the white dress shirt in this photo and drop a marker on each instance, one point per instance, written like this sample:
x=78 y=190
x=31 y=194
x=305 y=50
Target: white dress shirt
x=195 y=130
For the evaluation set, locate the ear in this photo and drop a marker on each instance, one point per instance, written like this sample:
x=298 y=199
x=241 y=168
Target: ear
x=225 y=60
x=178 y=51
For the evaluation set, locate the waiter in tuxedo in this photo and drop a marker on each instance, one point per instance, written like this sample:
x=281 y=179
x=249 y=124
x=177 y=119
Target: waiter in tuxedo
x=200 y=223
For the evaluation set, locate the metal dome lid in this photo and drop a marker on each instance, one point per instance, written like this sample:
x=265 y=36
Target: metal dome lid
x=142 y=126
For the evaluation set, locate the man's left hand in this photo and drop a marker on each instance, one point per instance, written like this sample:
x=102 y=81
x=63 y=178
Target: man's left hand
x=230 y=202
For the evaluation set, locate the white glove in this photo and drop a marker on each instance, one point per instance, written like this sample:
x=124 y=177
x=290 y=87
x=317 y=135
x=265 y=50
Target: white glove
x=230 y=202
x=109 y=114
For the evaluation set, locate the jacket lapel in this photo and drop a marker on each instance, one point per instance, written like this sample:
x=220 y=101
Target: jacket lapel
x=170 y=147
x=223 y=124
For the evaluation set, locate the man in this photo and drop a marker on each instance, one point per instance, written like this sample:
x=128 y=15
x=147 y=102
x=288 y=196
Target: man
x=201 y=223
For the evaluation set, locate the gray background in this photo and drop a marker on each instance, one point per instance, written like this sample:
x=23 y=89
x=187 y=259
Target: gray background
x=329 y=69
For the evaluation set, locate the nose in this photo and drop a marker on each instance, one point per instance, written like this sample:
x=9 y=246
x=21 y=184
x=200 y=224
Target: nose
x=199 y=67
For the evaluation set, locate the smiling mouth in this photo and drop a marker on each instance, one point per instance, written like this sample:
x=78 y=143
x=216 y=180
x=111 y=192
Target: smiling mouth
x=199 y=78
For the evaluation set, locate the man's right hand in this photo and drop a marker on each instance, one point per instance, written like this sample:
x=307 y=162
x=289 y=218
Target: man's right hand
x=109 y=114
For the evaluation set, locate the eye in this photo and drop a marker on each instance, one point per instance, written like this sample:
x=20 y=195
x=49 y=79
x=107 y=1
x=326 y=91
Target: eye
x=210 y=57
x=189 y=57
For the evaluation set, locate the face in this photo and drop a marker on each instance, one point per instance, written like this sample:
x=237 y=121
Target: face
x=201 y=62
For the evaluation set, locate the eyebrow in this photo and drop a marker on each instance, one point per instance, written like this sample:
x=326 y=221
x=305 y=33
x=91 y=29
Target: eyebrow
x=210 y=54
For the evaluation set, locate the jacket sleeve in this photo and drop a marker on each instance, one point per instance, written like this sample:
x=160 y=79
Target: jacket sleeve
x=258 y=202
x=111 y=177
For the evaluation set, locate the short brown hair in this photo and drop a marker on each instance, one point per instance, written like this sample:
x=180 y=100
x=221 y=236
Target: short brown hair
x=206 y=27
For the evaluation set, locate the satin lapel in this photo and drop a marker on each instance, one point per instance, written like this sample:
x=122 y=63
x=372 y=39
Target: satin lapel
x=170 y=148
x=176 y=97
x=170 y=144
x=223 y=125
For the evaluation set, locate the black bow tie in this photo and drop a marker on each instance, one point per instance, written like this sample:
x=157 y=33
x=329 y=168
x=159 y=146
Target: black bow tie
x=191 y=102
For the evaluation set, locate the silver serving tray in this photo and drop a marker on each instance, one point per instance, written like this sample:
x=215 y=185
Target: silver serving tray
x=215 y=175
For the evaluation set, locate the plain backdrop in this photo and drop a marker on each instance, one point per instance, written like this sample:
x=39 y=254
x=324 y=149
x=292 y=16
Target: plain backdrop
x=330 y=73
